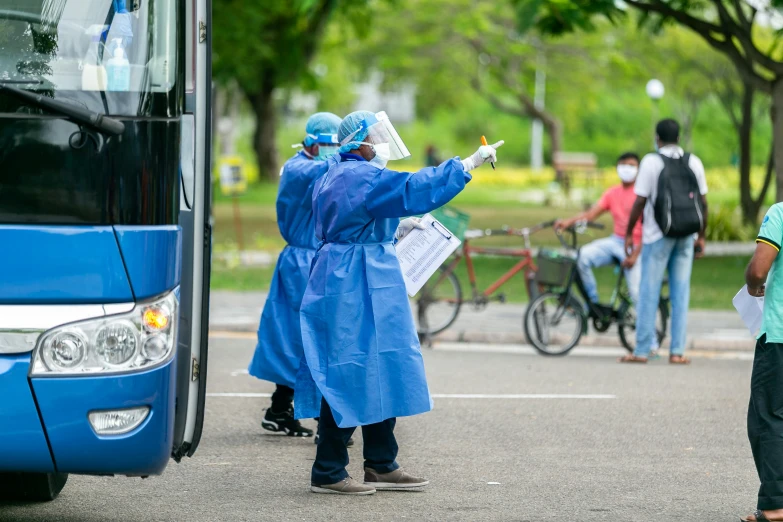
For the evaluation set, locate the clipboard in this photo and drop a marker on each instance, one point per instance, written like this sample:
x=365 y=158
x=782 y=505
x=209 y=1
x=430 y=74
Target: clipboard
x=422 y=252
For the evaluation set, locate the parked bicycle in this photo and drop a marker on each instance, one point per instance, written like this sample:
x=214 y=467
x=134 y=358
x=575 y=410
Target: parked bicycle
x=556 y=320
x=438 y=303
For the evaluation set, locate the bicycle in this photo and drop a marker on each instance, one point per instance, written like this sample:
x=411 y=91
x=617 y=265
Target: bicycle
x=554 y=309
x=438 y=303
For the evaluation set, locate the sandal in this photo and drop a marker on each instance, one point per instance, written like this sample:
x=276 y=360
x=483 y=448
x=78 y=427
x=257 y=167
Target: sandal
x=632 y=359
x=758 y=515
x=678 y=359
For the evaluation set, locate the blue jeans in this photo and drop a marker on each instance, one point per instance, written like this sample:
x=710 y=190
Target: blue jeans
x=676 y=255
x=331 y=456
x=604 y=252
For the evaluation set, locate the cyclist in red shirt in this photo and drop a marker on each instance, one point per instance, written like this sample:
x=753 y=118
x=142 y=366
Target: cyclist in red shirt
x=618 y=201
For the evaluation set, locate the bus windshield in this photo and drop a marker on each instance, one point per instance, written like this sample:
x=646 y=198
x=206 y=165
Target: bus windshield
x=70 y=46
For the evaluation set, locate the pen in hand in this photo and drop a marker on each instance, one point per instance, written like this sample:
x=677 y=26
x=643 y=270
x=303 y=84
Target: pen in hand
x=484 y=142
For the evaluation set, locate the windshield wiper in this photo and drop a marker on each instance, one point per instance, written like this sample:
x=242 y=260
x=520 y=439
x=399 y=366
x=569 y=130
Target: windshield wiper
x=76 y=114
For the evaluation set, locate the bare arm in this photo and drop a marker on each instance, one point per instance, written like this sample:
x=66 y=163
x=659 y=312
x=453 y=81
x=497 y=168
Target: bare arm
x=700 y=241
x=590 y=215
x=706 y=213
x=759 y=266
x=636 y=213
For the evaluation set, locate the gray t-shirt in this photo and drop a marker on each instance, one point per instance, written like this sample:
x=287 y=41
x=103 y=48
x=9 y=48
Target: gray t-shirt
x=647 y=186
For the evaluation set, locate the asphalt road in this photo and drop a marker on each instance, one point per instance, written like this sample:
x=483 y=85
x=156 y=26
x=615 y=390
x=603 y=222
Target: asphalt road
x=579 y=438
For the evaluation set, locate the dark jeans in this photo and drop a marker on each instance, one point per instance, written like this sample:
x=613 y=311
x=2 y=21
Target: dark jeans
x=765 y=422
x=331 y=458
x=282 y=399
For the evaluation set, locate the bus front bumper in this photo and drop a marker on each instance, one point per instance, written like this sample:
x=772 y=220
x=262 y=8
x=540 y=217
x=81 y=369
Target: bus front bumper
x=62 y=417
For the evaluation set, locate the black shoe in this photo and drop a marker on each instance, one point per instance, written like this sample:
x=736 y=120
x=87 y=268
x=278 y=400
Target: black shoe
x=347 y=444
x=284 y=422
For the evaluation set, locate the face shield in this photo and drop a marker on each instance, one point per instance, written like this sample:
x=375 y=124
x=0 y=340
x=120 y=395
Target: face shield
x=383 y=138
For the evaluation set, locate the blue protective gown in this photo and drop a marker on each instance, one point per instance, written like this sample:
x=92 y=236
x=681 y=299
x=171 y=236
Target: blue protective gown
x=279 y=350
x=360 y=343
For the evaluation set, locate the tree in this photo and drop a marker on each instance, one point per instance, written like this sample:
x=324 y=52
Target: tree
x=690 y=68
x=457 y=49
x=728 y=26
x=266 y=46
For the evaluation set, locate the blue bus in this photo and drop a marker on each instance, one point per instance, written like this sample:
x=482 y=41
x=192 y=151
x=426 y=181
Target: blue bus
x=105 y=133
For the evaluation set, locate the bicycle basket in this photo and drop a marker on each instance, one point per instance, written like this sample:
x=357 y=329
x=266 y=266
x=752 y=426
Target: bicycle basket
x=455 y=220
x=554 y=269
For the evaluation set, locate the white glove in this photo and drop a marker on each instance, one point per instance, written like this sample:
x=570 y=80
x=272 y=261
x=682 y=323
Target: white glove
x=406 y=225
x=484 y=154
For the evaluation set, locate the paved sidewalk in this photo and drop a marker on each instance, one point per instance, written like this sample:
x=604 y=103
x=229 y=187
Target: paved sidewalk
x=498 y=324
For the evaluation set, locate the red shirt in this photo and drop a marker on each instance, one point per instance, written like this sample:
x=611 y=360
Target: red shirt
x=619 y=201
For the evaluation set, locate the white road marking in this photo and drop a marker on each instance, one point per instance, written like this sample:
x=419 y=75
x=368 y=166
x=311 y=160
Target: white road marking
x=522 y=396
x=241 y=395
x=224 y=334
x=241 y=371
x=513 y=396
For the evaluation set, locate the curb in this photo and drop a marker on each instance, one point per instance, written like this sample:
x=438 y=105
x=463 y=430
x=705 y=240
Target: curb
x=457 y=336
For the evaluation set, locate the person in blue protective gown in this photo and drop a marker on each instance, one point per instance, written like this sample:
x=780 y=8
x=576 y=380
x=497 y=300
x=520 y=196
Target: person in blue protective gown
x=362 y=354
x=279 y=350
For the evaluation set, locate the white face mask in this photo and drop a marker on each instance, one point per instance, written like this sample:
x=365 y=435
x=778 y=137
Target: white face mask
x=382 y=151
x=627 y=173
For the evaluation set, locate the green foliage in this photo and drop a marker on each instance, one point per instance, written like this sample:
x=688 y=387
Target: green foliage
x=595 y=80
x=724 y=223
x=272 y=43
x=617 y=122
x=559 y=17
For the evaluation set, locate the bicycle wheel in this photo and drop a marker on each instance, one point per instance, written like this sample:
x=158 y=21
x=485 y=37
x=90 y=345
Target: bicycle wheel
x=627 y=324
x=437 y=304
x=554 y=324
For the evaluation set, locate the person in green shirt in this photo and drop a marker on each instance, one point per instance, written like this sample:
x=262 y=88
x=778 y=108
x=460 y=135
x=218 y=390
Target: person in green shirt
x=764 y=277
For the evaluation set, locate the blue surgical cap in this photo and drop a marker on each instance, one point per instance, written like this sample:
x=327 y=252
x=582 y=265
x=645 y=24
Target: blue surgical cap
x=356 y=121
x=320 y=123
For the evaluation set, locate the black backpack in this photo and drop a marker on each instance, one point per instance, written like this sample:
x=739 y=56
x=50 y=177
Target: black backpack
x=678 y=204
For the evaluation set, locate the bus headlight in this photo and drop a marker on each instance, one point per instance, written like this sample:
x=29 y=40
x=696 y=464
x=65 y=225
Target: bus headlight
x=139 y=339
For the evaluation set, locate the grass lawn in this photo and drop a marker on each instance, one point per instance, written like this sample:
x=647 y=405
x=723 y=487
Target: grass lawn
x=714 y=283
x=488 y=208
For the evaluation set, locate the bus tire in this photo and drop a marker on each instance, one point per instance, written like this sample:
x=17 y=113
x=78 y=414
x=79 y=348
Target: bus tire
x=31 y=487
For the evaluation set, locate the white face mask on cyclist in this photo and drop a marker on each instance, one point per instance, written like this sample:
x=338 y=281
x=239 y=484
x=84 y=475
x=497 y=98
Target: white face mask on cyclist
x=627 y=173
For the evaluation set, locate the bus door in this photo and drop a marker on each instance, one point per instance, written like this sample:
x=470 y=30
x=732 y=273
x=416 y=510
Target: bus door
x=195 y=206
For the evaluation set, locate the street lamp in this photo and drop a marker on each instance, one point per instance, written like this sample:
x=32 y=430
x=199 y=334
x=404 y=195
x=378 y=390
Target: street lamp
x=655 y=91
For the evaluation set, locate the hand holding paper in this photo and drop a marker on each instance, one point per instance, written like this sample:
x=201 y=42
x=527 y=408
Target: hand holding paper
x=750 y=308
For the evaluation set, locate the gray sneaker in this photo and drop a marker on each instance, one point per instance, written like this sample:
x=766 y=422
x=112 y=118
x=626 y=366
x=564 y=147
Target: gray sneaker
x=347 y=486
x=397 y=480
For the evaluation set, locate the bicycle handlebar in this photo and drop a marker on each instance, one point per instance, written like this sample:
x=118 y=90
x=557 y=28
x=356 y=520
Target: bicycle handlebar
x=597 y=226
x=574 y=230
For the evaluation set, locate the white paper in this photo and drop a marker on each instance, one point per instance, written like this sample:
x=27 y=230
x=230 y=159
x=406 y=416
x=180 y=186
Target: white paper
x=750 y=308
x=421 y=252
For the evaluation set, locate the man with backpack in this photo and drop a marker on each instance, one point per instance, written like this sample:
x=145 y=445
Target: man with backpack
x=670 y=189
